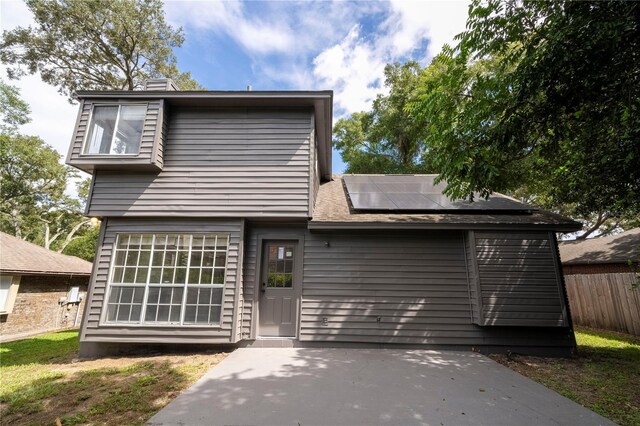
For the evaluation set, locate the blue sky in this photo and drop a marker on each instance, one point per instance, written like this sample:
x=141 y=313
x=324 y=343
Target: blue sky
x=275 y=45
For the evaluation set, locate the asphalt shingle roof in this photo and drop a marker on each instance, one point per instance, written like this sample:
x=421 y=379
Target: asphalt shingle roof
x=614 y=249
x=333 y=210
x=19 y=256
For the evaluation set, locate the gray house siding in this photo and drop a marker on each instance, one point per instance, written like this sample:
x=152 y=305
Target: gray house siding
x=519 y=280
x=94 y=331
x=145 y=160
x=405 y=289
x=219 y=163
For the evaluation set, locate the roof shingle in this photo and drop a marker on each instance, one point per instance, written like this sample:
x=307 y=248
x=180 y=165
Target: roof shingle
x=21 y=257
x=617 y=248
x=333 y=211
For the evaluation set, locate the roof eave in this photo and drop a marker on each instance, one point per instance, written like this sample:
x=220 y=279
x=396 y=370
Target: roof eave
x=327 y=226
x=30 y=272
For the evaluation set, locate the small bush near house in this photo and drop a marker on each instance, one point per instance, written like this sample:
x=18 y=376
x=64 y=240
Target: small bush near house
x=42 y=381
x=604 y=377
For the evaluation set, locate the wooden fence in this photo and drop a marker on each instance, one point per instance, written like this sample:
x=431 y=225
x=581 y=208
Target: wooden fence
x=605 y=301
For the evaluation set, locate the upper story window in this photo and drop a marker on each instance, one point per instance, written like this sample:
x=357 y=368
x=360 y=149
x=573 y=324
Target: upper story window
x=115 y=130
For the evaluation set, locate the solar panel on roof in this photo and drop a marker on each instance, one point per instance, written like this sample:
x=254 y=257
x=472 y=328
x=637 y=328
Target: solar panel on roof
x=418 y=193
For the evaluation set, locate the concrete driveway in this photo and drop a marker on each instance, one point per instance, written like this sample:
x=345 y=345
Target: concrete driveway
x=308 y=386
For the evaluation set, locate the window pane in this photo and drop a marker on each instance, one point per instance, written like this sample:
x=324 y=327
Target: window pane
x=111 y=312
x=218 y=276
x=215 y=314
x=163 y=313
x=175 y=314
x=135 y=312
x=129 y=133
x=101 y=130
x=154 y=294
x=118 y=273
x=123 y=312
x=176 y=299
x=150 y=316
x=217 y=296
x=192 y=296
x=114 y=297
x=138 y=295
x=127 y=295
x=190 y=314
x=204 y=298
x=203 y=315
x=165 y=295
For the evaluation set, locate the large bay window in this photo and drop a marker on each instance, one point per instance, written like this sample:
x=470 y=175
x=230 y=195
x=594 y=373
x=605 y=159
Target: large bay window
x=115 y=130
x=167 y=279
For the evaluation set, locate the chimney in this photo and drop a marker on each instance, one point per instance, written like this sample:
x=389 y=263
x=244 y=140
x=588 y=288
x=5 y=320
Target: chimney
x=160 y=84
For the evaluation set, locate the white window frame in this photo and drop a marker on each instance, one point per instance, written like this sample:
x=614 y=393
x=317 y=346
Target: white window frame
x=115 y=131
x=185 y=286
x=12 y=292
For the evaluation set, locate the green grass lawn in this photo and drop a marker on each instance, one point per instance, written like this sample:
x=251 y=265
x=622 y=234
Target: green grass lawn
x=41 y=381
x=604 y=376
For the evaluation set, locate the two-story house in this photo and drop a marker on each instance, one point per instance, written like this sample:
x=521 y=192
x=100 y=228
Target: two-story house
x=221 y=223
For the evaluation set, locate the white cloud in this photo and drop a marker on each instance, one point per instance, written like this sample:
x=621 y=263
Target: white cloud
x=439 y=21
x=254 y=34
x=354 y=66
x=353 y=69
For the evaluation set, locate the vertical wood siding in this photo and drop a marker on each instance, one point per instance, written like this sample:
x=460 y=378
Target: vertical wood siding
x=518 y=279
x=92 y=331
x=222 y=163
x=605 y=301
x=149 y=131
x=407 y=288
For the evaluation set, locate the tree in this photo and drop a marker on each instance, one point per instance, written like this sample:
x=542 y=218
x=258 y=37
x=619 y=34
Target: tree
x=95 y=45
x=543 y=96
x=386 y=139
x=14 y=111
x=33 y=203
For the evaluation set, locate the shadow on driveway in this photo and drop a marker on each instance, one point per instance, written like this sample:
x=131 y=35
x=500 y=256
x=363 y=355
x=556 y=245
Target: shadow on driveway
x=310 y=386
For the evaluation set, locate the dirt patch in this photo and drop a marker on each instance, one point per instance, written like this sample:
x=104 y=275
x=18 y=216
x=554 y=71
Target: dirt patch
x=108 y=391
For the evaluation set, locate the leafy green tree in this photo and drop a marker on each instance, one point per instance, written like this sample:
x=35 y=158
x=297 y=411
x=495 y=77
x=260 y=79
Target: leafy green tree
x=84 y=246
x=95 y=44
x=33 y=203
x=14 y=111
x=543 y=96
x=386 y=139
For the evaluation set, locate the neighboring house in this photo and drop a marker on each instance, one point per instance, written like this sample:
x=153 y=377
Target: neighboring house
x=601 y=254
x=222 y=224
x=40 y=290
x=603 y=288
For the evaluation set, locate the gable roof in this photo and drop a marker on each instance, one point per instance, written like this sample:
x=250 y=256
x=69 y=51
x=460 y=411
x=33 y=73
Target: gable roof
x=21 y=257
x=333 y=211
x=614 y=249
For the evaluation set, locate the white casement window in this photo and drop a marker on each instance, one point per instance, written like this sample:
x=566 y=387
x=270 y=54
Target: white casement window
x=115 y=129
x=173 y=279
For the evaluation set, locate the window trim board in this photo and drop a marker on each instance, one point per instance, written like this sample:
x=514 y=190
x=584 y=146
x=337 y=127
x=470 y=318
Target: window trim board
x=85 y=138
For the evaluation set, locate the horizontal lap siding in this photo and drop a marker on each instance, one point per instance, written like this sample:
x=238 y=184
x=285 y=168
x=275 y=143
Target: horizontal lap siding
x=93 y=332
x=151 y=124
x=416 y=283
x=518 y=279
x=244 y=162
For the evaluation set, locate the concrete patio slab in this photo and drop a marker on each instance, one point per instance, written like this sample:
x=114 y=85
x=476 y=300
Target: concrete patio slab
x=309 y=386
